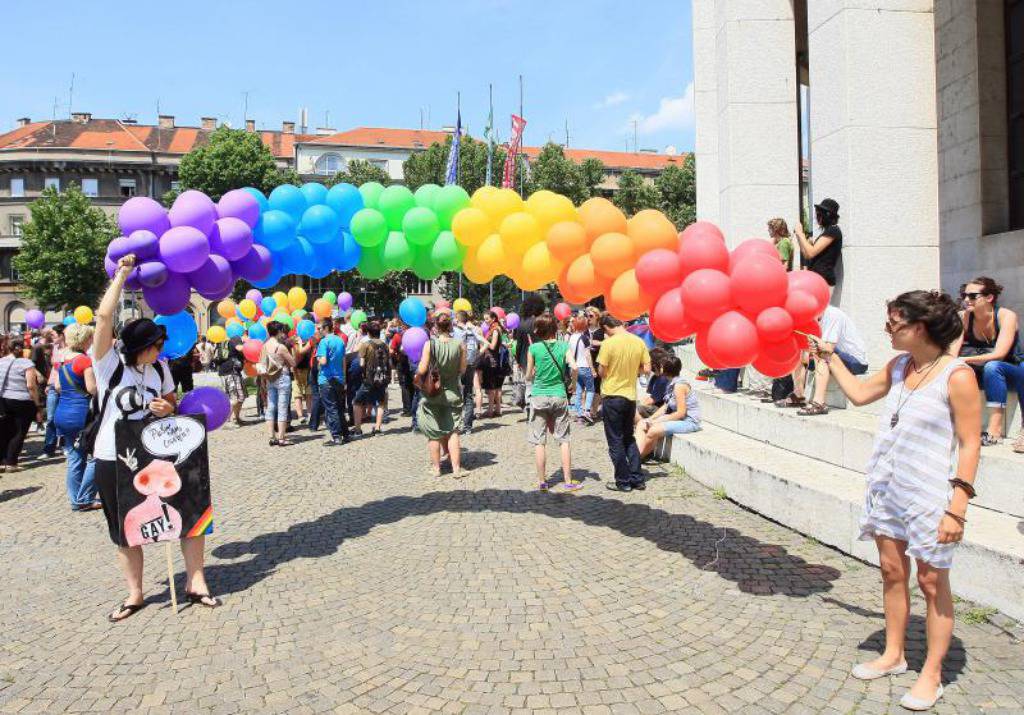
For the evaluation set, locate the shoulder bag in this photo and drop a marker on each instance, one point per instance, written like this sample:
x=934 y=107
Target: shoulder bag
x=430 y=383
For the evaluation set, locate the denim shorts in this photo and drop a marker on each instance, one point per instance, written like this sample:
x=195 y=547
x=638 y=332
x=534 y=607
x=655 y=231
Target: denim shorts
x=279 y=398
x=683 y=426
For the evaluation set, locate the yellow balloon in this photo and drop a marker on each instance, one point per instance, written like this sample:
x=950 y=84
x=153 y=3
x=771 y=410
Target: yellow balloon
x=539 y=267
x=480 y=196
x=500 y=204
x=296 y=298
x=247 y=308
x=226 y=308
x=462 y=304
x=471 y=226
x=519 y=231
x=491 y=255
x=83 y=314
x=281 y=299
x=217 y=334
x=549 y=208
x=474 y=272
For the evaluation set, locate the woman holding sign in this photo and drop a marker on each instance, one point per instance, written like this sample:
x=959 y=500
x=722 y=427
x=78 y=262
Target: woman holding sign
x=133 y=384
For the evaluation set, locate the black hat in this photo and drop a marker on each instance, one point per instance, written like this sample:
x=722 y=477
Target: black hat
x=829 y=206
x=140 y=334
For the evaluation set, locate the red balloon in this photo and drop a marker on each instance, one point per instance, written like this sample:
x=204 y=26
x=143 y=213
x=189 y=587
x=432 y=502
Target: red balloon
x=703 y=250
x=733 y=339
x=562 y=311
x=774 y=325
x=251 y=350
x=801 y=305
x=811 y=282
x=659 y=271
x=706 y=294
x=750 y=247
x=781 y=351
x=811 y=327
x=759 y=282
x=499 y=311
x=701 y=228
x=668 y=319
x=771 y=368
x=704 y=351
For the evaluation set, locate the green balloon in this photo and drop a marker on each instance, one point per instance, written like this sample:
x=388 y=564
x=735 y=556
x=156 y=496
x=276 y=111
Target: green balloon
x=357 y=318
x=420 y=226
x=394 y=202
x=426 y=194
x=331 y=297
x=371 y=264
x=445 y=252
x=397 y=252
x=448 y=202
x=423 y=264
x=369 y=228
x=298 y=314
x=286 y=320
x=371 y=192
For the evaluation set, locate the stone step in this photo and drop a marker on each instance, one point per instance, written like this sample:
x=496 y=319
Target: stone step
x=844 y=438
x=824 y=501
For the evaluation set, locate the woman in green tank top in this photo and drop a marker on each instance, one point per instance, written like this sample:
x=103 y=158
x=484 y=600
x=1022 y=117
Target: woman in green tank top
x=440 y=416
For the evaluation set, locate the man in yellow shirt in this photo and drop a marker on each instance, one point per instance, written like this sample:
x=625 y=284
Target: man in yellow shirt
x=621 y=360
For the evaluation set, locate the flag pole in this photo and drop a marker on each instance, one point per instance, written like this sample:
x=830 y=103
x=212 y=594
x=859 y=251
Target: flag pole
x=458 y=128
x=490 y=134
x=519 y=154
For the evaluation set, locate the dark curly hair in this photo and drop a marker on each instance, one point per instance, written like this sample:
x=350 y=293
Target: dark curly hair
x=533 y=305
x=935 y=310
x=988 y=286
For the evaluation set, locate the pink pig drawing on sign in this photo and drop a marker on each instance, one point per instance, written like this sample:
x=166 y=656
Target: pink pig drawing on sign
x=154 y=519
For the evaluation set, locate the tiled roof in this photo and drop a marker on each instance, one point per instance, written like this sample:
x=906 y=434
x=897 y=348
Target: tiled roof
x=111 y=134
x=616 y=159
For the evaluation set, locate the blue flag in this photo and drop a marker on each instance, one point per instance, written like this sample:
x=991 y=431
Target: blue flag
x=452 y=172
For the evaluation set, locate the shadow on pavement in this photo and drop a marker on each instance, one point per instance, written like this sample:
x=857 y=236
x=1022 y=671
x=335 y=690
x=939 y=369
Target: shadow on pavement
x=9 y=494
x=916 y=648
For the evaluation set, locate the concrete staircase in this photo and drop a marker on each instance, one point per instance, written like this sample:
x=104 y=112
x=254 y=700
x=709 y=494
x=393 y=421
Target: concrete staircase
x=808 y=473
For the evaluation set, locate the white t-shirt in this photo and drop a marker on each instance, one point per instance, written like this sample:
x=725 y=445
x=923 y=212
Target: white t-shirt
x=130 y=398
x=580 y=350
x=838 y=329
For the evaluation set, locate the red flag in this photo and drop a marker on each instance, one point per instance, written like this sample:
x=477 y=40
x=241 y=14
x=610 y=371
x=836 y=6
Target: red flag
x=509 y=179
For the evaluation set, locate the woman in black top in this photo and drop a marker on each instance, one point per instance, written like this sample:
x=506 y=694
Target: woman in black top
x=822 y=254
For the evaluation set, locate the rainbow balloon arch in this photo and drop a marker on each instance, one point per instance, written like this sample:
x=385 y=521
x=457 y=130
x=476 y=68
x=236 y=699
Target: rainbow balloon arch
x=742 y=305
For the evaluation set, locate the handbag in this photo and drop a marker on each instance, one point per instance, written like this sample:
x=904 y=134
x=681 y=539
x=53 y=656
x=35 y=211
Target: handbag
x=3 y=389
x=429 y=384
x=567 y=381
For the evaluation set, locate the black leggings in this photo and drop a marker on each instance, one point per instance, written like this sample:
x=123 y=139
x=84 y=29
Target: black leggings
x=14 y=426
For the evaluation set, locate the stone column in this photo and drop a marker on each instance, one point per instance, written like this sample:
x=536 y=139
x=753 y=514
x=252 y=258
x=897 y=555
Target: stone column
x=705 y=107
x=873 y=149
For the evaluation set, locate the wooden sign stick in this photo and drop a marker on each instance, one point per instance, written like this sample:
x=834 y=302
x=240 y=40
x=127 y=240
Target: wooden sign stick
x=170 y=576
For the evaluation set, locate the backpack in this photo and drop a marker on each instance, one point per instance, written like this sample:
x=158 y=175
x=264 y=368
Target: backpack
x=225 y=361
x=86 y=440
x=380 y=375
x=268 y=367
x=504 y=361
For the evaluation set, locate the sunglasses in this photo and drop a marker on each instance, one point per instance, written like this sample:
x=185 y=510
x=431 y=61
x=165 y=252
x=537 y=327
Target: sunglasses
x=892 y=327
x=971 y=296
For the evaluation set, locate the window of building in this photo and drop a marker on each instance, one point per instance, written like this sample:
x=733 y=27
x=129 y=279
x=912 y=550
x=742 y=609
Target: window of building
x=91 y=187
x=420 y=287
x=379 y=163
x=17 y=186
x=127 y=187
x=52 y=181
x=328 y=164
x=16 y=223
x=7 y=272
x=175 y=186
x=1015 y=108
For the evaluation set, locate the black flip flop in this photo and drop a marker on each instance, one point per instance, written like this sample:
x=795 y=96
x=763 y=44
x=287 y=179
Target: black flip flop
x=128 y=609
x=197 y=599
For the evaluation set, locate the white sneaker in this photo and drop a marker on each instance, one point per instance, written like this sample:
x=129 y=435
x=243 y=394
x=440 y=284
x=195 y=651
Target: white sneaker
x=866 y=672
x=909 y=702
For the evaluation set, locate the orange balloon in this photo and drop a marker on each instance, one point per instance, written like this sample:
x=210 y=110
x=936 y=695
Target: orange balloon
x=625 y=300
x=600 y=216
x=583 y=280
x=566 y=290
x=226 y=308
x=567 y=240
x=651 y=229
x=321 y=308
x=613 y=254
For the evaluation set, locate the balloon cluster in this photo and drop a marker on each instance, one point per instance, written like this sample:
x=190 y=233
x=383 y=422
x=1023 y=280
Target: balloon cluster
x=743 y=306
x=400 y=230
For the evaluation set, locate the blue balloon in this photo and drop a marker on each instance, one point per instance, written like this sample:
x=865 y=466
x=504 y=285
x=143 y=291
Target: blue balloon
x=345 y=199
x=258 y=332
x=268 y=305
x=413 y=312
x=298 y=259
x=289 y=199
x=69 y=320
x=275 y=230
x=275 y=274
x=324 y=257
x=314 y=192
x=260 y=198
x=351 y=252
x=305 y=329
x=235 y=330
x=182 y=334
x=319 y=224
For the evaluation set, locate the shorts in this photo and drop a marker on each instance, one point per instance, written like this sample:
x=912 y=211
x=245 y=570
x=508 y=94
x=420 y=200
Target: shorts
x=369 y=395
x=545 y=411
x=233 y=387
x=300 y=384
x=106 y=486
x=646 y=411
x=852 y=364
x=683 y=426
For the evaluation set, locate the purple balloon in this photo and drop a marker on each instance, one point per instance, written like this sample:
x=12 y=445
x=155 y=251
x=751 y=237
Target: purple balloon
x=35 y=319
x=218 y=295
x=413 y=341
x=213 y=276
x=254 y=295
x=110 y=266
x=344 y=301
x=184 y=248
x=118 y=248
x=254 y=265
x=208 y=401
x=231 y=237
x=240 y=204
x=193 y=208
x=144 y=244
x=132 y=282
x=170 y=298
x=512 y=321
x=152 y=274
x=142 y=213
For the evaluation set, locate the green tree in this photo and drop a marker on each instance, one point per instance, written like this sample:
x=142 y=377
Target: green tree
x=429 y=166
x=60 y=263
x=636 y=194
x=554 y=171
x=231 y=159
x=506 y=292
x=677 y=186
x=359 y=172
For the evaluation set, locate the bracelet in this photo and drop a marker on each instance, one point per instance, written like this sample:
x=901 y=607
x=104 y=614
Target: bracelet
x=958 y=519
x=965 y=485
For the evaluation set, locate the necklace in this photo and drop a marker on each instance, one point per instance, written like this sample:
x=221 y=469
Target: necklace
x=903 y=401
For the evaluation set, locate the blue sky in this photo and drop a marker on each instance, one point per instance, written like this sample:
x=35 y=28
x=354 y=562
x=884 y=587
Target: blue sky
x=598 y=64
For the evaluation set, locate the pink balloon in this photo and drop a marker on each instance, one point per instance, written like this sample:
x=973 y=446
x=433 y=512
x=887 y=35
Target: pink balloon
x=659 y=271
x=772 y=368
x=801 y=305
x=774 y=325
x=782 y=351
x=732 y=338
x=704 y=351
x=669 y=321
x=811 y=282
x=706 y=294
x=183 y=249
x=703 y=250
x=750 y=247
x=758 y=282
x=499 y=311
x=562 y=311
x=701 y=228
x=251 y=350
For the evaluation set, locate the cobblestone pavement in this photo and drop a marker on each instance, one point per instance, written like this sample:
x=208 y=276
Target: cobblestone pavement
x=355 y=582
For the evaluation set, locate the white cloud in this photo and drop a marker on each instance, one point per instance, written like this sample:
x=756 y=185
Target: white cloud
x=674 y=113
x=611 y=100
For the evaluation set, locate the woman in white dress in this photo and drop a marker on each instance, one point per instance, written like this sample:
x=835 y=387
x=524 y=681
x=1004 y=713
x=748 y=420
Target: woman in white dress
x=920 y=475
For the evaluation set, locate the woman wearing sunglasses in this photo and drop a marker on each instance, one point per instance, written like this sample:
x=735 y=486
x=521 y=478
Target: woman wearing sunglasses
x=920 y=475
x=991 y=345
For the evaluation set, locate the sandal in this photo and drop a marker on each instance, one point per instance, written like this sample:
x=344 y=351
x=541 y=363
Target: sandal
x=812 y=409
x=125 y=610
x=1018 y=444
x=203 y=599
x=988 y=440
x=571 y=486
x=273 y=442
x=542 y=486
x=791 y=401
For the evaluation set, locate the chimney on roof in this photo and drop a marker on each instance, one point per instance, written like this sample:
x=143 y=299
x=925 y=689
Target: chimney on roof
x=81 y=117
x=24 y=121
x=166 y=121
x=208 y=123
x=287 y=127
x=325 y=131
x=250 y=125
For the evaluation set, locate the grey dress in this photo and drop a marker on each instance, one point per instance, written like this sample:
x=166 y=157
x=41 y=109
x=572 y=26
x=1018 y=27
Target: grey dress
x=441 y=414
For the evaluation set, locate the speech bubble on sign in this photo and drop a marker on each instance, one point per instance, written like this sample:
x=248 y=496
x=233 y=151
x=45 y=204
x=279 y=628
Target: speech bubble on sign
x=177 y=436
